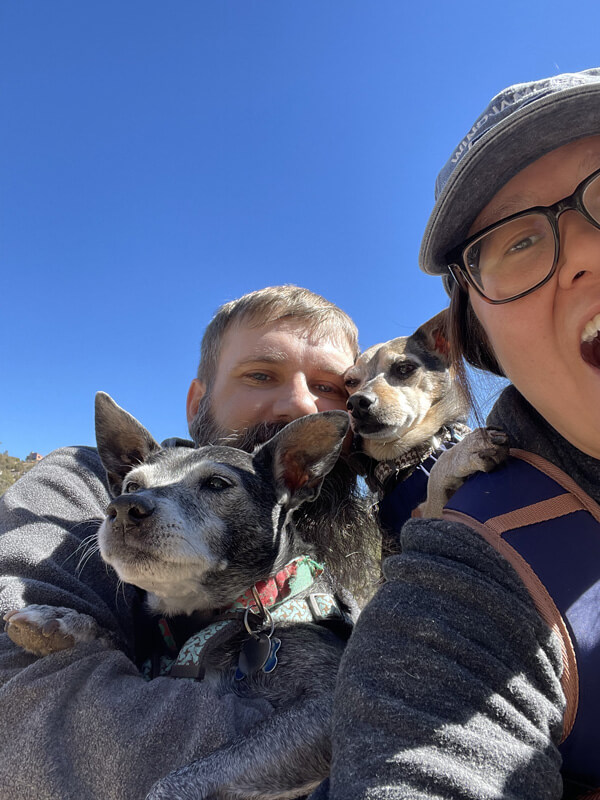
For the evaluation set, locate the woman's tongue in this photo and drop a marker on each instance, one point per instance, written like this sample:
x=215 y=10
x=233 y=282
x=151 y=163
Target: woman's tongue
x=590 y=351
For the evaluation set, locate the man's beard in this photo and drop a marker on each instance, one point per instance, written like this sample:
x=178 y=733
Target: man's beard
x=204 y=430
x=340 y=524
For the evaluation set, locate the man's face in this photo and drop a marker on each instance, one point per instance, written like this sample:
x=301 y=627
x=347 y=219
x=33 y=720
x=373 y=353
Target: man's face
x=272 y=374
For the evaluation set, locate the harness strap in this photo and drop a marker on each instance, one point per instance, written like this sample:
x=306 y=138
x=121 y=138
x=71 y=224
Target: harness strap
x=537 y=512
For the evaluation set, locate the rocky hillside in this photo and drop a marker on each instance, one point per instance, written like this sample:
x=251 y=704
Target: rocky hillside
x=11 y=469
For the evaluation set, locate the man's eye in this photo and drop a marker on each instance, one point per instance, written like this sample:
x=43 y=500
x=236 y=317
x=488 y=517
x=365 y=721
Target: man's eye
x=259 y=377
x=330 y=388
x=217 y=483
x=130 y=487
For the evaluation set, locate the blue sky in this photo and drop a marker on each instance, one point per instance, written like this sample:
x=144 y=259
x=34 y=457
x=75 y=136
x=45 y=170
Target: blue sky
x=158 y=159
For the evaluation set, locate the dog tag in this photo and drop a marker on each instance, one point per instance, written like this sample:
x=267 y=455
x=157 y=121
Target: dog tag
x=254 y=655
x=271 y=661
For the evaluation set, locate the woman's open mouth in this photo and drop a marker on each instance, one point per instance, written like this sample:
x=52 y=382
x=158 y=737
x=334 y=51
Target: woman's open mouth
x=590 y=342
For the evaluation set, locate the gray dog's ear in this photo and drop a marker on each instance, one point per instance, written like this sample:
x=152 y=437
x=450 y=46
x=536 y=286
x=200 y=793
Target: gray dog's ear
x=434 y=335
x=122 y=442
x=303 y=453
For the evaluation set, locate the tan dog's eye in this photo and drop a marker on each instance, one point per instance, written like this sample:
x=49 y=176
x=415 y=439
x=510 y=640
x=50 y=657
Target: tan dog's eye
x=351 y=383
x=401 y=369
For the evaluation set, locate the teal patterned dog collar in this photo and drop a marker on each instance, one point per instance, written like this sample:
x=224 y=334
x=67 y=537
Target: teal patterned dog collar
x=279 y=593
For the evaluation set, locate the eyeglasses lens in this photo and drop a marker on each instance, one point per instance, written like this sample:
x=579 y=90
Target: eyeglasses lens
x=591 y=198
x=512 y=258
x=518 y=255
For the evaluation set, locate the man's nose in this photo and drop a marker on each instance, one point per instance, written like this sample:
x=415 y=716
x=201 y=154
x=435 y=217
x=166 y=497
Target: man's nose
x=579 y=249
x=295 y=399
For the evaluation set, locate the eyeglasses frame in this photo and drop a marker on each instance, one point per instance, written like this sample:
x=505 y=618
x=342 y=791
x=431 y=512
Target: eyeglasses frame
x=573 y=202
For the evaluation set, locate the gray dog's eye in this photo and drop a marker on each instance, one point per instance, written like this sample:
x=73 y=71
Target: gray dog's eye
x=132 y=486
x=217 y=482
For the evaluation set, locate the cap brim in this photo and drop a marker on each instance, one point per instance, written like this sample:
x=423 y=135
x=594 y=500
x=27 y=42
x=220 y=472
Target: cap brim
x=499 y=155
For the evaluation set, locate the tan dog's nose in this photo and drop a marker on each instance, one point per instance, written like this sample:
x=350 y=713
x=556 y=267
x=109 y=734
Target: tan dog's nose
x=360 y=403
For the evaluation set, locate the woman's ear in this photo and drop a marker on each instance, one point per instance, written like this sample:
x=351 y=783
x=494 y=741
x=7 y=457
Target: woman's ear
x=195 y=394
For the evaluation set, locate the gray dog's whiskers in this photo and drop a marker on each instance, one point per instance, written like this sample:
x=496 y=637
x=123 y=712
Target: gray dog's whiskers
x=86 y=523
x=89 y=547
x=120 y=588
x=86 y=549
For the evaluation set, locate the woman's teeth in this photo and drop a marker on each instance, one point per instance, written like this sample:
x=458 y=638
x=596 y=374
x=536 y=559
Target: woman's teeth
x=590 y=342
x=591 y=329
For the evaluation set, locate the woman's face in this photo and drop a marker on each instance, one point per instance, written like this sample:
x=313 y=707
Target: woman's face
x=538 y=338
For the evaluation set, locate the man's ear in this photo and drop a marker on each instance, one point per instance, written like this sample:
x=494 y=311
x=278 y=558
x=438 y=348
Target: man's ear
x=195 y=394
x=434 y=334
x=122 y=441
x=301 y=455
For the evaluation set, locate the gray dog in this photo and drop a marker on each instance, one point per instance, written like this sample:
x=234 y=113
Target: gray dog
x=207 y=533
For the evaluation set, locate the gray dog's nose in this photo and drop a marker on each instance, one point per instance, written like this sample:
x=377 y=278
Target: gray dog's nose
x=130 y=509
x=359 y=403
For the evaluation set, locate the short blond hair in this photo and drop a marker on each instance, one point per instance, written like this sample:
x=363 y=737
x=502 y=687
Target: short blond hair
x=269 y=305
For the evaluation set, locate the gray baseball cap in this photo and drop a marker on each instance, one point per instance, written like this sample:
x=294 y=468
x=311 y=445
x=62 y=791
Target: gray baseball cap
x=520 y=125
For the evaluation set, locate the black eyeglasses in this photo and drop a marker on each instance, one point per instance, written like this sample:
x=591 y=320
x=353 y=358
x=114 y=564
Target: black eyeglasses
x=517 y=255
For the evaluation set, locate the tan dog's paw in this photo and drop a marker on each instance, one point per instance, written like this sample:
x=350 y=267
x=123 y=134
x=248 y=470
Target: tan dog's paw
x=482 y=450
x=42 y=630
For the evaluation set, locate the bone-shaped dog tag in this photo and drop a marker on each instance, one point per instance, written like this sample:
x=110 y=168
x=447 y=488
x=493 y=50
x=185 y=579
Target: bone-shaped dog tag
x=271 y=661
x=254 y=655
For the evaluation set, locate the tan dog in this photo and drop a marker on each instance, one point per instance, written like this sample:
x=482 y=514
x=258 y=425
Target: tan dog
x=406 y=408
x=403 y=393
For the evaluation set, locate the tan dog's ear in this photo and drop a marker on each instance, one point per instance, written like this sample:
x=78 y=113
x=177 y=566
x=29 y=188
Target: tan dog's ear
x=434 y=334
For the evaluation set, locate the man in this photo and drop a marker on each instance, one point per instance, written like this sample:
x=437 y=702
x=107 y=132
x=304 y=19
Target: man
x=270 y=357
x=83 y=723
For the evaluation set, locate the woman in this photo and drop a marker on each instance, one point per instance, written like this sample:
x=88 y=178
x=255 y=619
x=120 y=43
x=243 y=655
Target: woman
x=451 y=684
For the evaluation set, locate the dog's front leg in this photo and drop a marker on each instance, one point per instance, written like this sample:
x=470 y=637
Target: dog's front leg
x=482 y=450
x=284 y=757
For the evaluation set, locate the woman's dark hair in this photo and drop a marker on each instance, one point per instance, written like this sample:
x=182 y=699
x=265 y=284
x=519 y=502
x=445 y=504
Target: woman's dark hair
x=468 y=341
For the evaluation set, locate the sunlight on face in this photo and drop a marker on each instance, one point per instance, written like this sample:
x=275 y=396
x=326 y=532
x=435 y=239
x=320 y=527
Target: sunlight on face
x=277 y=373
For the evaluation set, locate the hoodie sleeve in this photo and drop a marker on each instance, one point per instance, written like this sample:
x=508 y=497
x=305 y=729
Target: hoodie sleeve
x=450 y=684
x=82 y=723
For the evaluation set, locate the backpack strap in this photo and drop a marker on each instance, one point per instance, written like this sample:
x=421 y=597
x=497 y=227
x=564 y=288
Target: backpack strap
x=499 y=507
